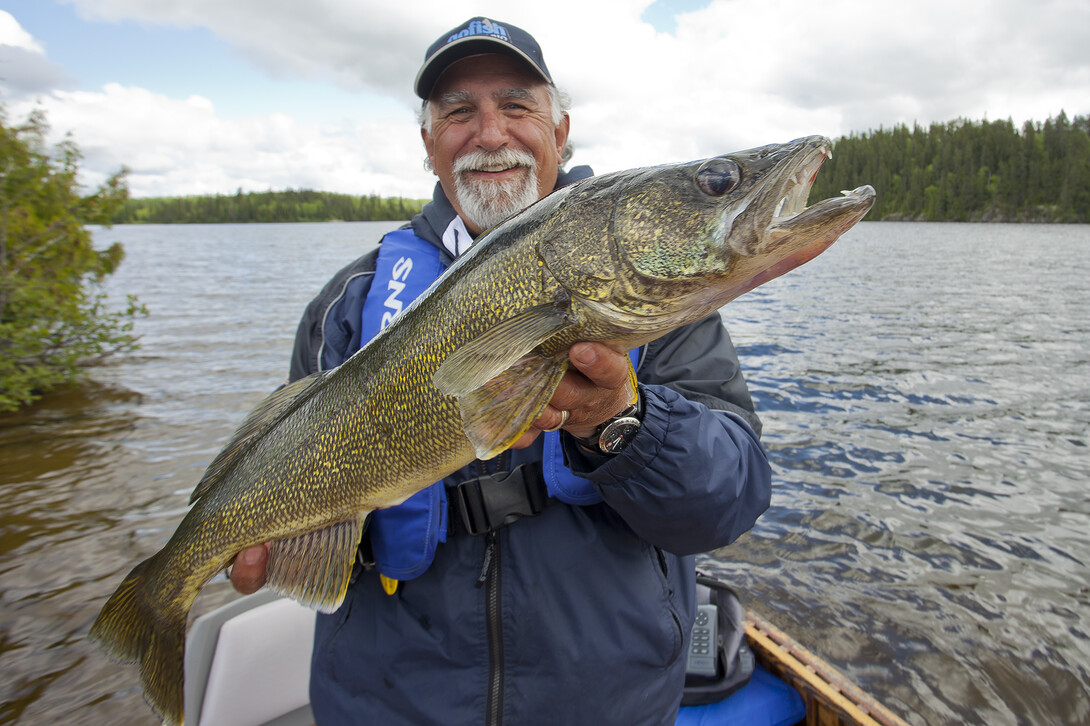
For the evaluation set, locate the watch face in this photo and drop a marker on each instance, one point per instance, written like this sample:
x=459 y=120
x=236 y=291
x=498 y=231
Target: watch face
x=618 y=434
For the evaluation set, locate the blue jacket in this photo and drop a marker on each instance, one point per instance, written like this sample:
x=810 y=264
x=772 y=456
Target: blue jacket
x=580 y=614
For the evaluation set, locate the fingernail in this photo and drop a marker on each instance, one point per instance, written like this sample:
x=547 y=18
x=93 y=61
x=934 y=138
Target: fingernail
x=584 y=354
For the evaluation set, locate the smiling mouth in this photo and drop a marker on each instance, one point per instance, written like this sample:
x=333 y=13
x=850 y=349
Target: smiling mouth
x=494 y=169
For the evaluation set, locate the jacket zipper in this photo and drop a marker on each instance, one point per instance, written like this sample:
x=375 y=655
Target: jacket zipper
x=490 y=580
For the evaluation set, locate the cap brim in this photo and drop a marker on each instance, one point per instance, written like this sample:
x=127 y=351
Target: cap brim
x=463 y=48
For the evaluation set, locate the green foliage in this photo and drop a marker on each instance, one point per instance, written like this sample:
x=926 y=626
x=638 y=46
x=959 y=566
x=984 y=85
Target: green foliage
x=53 y=316
x=969 y=171
x=286 y=206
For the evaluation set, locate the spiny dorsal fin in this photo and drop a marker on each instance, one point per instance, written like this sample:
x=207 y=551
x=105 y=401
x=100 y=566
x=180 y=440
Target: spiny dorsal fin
x=314 y=568
x=496 y=414
x=485 y=357
x=262 y=418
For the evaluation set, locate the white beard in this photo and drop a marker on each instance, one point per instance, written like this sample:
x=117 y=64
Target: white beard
x=487 y=203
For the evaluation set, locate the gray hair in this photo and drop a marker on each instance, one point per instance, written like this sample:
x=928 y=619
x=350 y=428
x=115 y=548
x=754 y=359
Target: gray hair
x=559 y=103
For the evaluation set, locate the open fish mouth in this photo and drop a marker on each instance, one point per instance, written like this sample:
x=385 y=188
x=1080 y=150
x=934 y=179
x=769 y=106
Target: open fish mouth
x=798 y=185
x=791 y=213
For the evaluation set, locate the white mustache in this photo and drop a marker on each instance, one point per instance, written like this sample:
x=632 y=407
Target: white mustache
x=498 y=160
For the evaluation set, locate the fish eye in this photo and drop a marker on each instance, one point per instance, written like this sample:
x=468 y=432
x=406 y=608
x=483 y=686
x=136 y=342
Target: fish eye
x=718 y=176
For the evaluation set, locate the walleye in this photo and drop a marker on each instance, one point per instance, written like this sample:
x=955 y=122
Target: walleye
x=622 y=258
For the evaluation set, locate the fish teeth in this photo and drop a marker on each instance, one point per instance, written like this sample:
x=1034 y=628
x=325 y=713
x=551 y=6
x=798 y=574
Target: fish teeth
x=779 y=207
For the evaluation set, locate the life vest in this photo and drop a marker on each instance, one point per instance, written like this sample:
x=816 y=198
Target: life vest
x=404 y=538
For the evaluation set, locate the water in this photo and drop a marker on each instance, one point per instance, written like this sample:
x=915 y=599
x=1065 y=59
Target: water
x=925 y=391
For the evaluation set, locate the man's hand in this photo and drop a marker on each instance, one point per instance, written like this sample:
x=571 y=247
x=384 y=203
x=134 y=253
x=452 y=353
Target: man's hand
x=593 y=391
x=248 y=570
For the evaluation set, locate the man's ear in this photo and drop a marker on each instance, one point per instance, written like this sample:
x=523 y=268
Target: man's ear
x=561 y=133
x=429 y=148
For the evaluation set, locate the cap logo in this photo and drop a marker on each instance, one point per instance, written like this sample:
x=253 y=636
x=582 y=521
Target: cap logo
x=481 y=27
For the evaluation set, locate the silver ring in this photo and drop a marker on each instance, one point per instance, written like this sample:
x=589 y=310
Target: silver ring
x=563 y=420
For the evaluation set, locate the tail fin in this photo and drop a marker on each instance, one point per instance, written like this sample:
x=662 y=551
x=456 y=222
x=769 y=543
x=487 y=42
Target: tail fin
x=132 y=629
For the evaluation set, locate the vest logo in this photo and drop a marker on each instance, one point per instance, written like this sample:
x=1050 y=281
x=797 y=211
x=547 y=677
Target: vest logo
x=481 y=27
x=398 y=276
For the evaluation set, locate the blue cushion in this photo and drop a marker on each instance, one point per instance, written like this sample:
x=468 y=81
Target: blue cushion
x=764 y=701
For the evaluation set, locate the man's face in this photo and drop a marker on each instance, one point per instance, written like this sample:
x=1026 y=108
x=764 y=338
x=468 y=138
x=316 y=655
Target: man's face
x=493 y=144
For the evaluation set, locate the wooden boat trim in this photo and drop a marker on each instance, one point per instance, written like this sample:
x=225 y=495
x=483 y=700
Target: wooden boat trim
x=831 y=698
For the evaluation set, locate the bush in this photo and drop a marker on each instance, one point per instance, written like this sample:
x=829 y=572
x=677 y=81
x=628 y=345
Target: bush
x=53 y=315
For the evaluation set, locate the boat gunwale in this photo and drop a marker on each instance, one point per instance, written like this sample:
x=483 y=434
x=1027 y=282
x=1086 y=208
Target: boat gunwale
x=831 y=698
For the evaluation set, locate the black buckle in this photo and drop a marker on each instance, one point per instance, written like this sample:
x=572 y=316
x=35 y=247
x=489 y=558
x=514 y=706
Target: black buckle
x=485 y=504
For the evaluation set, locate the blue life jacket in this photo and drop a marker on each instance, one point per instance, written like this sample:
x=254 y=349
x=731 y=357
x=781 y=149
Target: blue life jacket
x=404 y=538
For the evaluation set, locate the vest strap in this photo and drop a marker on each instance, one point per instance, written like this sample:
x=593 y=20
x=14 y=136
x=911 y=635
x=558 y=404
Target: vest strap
x=487 y=503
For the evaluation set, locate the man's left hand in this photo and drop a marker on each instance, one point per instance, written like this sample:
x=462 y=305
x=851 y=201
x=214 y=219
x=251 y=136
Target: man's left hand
x=592 y=391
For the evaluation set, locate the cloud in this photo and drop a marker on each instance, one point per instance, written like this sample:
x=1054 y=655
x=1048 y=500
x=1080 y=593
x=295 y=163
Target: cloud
x=12 y=33
x=24 y=69
x=359 y=45
x=180 y=147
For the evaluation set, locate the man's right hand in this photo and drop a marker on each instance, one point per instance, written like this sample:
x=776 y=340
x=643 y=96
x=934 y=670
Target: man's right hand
x=248 y=569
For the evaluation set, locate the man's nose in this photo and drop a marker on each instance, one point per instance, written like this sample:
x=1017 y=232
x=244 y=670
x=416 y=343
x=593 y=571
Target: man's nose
x=492 y=132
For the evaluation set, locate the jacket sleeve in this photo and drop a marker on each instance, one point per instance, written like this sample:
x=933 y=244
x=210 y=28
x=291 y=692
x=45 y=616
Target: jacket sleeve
x=696 y=476
x=329 y=331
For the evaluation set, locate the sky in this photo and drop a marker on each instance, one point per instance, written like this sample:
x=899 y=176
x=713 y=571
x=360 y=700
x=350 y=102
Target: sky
x=213 y=96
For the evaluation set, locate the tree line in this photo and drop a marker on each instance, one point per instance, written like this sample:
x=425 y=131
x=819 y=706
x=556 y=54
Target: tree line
x=284 y=206
x=968 y=171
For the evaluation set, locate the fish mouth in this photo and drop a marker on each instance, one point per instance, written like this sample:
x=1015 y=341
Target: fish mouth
x=796 y=187
x=791 y=214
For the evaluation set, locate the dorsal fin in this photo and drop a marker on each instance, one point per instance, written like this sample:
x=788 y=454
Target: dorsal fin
x=267 y=413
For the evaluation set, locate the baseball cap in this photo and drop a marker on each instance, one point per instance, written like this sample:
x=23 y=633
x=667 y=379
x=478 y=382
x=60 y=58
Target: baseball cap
x=473 y=37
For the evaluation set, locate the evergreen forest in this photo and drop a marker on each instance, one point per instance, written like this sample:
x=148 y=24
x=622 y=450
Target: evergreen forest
x=968 y=171
x=285 y=206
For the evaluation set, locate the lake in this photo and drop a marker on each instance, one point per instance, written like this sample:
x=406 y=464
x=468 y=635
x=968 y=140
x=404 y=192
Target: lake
x=925 y=392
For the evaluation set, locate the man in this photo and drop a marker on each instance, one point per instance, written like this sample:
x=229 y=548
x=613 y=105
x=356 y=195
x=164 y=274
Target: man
x=559 y=586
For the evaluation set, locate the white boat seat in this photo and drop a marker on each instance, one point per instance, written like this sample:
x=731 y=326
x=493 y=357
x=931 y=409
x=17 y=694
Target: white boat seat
x=248 y=664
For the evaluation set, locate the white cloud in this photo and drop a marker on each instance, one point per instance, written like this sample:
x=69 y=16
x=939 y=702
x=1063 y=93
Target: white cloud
x=24 y=69
x=12 y=33
x=179 y=147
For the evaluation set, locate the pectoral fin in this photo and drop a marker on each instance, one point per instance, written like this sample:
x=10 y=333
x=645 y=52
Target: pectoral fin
x=314 y=568
x=494 y=352
x=497 y=413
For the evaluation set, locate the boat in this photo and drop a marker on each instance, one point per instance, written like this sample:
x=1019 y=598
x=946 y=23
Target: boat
x=247 y=663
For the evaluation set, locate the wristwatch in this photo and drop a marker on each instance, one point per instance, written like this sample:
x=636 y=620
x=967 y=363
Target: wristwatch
x=612 y=436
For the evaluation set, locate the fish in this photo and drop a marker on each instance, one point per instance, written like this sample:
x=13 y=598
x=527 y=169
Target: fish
x=461 y=373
